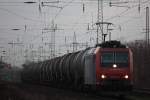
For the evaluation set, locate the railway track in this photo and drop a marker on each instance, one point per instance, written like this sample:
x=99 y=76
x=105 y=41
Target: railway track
x=142 y=90
x=9 y=91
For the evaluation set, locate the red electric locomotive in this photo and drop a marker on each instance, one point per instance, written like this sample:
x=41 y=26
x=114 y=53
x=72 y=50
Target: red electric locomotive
x=114 y=66
x=106 y=65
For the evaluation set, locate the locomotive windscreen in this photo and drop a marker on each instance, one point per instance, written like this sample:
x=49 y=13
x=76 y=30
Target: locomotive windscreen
x=118 y=58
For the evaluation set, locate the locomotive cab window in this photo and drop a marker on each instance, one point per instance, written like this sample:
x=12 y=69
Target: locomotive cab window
x=121 y=59
x=107 y=59
x=118 y=58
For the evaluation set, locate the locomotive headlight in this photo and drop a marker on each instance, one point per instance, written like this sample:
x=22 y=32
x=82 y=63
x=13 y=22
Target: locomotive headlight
x=114 y=65
x=103 y=76
x=126 y=76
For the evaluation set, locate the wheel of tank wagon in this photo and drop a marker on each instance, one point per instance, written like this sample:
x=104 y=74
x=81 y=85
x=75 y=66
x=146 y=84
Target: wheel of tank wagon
x=80 y=87
x=121 y=96
x=86 y=88
x=76 y=81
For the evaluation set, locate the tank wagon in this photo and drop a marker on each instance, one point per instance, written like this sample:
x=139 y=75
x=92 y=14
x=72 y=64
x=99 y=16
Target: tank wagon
x=108 y=64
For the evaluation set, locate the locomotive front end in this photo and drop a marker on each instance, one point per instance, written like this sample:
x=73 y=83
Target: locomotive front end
x=114 y=68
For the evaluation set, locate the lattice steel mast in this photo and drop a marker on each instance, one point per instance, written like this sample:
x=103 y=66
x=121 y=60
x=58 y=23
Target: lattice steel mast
x=99 y=21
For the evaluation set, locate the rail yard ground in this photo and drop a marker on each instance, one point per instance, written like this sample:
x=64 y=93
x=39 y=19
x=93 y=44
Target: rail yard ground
x=9 y=91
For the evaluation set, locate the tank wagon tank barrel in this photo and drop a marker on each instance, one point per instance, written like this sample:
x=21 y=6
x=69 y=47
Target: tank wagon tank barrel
x=65 y=70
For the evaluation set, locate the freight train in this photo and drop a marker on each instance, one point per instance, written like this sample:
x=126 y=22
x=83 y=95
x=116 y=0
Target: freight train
x=109 y=64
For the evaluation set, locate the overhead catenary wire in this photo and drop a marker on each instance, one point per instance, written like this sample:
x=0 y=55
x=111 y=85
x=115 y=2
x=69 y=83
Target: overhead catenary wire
x=4 y=3
x=34 y=38
x=125 y=12
x=128 y=20
x=110 y=18
x=20 y=16
x=128 y=9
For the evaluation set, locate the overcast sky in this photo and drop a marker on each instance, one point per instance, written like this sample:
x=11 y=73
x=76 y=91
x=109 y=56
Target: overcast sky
x=69 y=16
